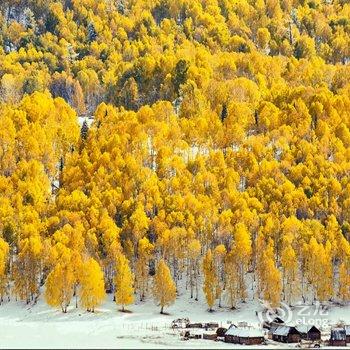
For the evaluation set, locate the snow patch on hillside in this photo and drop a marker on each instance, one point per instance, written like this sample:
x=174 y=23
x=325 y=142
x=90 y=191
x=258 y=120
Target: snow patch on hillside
x=89 y=120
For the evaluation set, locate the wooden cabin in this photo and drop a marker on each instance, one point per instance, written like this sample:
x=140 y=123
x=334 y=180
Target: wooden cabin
x=211 y=325
x=271 y=331
x=195 y=335
x=277 y=321
x=194 y=325
x=206 y=325
x=309 y=332
x=180 y=323
x=338 y=337
x=244 y=336
x=210 y=336
x=286 y=334
x=347 y=333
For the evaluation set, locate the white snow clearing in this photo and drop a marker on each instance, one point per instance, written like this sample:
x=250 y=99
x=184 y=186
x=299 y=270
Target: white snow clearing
x=39 y=326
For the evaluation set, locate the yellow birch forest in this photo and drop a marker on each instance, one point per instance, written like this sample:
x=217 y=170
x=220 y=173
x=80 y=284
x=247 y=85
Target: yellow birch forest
x=213 y=151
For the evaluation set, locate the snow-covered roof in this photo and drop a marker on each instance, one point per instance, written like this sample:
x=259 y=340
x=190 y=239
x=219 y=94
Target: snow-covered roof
x=245 y=332
x=181 y=321
x=304 y=328
x=282 y=330
x=272 y=329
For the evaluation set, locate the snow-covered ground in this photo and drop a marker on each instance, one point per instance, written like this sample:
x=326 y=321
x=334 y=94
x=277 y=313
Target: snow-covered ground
x=39 y=326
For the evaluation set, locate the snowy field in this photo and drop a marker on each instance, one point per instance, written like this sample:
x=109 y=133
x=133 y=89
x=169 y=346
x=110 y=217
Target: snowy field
x=40 y=326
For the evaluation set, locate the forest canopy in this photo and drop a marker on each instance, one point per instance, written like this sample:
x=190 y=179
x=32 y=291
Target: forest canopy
x=218 y=151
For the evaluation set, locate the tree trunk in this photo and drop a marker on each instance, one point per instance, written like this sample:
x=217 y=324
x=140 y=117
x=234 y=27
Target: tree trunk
x=191 y=277
x=196 y=281
x=76 y=295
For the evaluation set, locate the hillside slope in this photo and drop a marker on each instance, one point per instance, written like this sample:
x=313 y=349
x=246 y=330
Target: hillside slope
x=214 y=145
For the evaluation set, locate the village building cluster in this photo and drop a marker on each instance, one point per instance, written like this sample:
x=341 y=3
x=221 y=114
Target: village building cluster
x=275 y=331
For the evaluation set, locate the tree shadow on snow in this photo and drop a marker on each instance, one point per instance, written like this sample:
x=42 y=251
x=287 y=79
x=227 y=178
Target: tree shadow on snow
x=125 y=311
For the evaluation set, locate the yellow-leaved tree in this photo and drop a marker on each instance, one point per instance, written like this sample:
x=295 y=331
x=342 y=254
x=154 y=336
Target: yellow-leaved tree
x=193 y=253
x=92 y=286
x=242 y=250
x=344 y=271
x=60 y=283
x=4 y=252
x=145 y=249
x=164 y=289
x=231 y=280
x=28 y=268
x=124 y=282
x=210 y=279
x=344 y=282
x=271 y=278
x=290 y=273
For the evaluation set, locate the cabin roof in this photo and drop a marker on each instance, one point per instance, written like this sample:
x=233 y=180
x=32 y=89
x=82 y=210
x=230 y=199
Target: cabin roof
x=232 y=325
x=272 y=329
x=200 y=331
x=305 y=328
x=181 y=320
x=281 y=330
x=245 y=332
x=284 y=330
